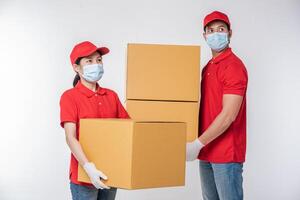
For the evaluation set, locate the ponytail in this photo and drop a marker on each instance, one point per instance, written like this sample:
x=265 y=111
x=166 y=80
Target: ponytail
x=76 y=79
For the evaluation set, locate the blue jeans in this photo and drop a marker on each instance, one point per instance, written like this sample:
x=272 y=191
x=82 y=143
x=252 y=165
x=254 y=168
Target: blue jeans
x=221 y=181
x=80 y=192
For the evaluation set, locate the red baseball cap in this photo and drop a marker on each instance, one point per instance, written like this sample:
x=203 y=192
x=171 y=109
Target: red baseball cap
x=216 y=15
x=84 y=49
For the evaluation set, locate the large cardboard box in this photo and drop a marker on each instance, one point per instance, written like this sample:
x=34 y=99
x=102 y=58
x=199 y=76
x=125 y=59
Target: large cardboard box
x=163 y=72
x=166 y=111
x=135 y=154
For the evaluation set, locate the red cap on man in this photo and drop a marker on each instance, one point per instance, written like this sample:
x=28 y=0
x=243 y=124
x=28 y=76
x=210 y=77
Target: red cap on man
x=84 y=49
x=216 y=15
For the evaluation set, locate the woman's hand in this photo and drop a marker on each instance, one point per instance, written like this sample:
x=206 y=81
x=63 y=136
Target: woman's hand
x=95 y=175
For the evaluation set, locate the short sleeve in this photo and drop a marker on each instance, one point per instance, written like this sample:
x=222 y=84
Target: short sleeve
x=122 y=113
x=235 y=79
x=68 y=109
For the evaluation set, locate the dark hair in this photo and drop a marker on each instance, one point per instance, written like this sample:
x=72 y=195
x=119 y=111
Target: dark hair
x=77 y=77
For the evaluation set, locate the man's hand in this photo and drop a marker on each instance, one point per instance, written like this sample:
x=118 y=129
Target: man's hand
x=193 y=149
x=95 y=175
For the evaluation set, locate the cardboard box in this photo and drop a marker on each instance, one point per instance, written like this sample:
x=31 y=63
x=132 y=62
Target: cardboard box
x=134 y=154
x=163 y=72
x=166 y=111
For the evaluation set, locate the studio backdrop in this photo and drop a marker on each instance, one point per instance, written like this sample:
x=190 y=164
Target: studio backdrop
x=36 y=38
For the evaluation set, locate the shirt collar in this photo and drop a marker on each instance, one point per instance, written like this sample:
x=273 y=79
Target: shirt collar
x=87 y=92
x=221 y=57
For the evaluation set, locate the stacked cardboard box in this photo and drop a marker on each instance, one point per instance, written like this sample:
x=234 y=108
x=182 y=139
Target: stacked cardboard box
x=148 y=151
x=163 y=84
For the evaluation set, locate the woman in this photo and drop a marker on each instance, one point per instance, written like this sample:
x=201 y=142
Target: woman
x=87 y=100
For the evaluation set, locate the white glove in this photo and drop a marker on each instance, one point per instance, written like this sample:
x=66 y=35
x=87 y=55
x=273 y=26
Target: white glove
x=193 y=149
x=95 y=175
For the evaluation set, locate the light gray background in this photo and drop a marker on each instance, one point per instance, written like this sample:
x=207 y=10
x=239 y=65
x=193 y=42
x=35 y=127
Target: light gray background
x=36 y=38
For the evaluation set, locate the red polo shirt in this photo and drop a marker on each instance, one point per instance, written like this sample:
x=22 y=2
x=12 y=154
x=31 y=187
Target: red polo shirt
x=225 y=74
x=80 y=102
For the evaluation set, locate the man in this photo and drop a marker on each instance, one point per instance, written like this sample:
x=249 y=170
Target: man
x=221 y=146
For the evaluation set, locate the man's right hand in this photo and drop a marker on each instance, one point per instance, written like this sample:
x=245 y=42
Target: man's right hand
x=95 y=175
x=193 y=149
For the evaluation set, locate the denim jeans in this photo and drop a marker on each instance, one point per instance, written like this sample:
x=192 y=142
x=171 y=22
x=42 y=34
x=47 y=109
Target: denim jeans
x=80 y=192
x=221 y=181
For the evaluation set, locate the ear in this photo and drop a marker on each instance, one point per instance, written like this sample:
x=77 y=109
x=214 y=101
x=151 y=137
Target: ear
x=230 y=33
x=76 y=67
x=204 y=35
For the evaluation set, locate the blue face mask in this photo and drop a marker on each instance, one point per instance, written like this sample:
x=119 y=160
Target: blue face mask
x=217 y=41
x=93 y=73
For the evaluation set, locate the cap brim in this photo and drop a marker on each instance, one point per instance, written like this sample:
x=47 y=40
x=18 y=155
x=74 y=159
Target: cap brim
x=103 y=50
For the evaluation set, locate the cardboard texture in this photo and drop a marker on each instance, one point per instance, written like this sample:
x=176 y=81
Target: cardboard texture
x=163 y=72
x=166 y=111
x=135 y=154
